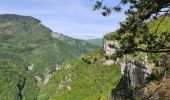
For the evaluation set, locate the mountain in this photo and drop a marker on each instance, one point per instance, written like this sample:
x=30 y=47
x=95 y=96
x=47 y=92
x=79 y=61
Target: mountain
x=98 y=42
x=39 y=64
x=28 y=51
x=84 y=78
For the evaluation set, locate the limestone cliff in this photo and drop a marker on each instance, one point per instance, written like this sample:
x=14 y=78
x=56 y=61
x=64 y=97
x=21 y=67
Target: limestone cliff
x=135 y=68
x=110 y=47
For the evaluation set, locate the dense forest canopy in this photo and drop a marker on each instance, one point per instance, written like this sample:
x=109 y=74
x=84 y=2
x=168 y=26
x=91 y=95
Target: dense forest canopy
x=134 y=33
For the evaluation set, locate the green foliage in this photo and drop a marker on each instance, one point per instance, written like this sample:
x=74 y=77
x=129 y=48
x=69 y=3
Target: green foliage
x=24 y=41
x=157 y=74
x=154 y=57
x=90 y=59
x=144 y=41
x=110 y=36
x=88 y=81
x=134 y=33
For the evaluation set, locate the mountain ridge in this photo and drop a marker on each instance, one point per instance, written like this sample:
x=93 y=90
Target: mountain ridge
x=28 y=52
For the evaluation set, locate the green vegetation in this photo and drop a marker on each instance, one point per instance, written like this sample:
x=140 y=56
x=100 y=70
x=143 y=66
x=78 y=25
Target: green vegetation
x=25 y=41
x=134 y=33
x=162 y=29
x=87 y=81
x=146 y=42
x=98 y=42
x=110 y=36
x=158 y=72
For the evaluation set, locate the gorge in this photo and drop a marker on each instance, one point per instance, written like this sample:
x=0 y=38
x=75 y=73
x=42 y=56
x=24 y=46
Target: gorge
x=39 y=64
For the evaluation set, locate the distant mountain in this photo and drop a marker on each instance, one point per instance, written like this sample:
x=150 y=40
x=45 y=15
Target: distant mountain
x=29 y=50
x=98 y=41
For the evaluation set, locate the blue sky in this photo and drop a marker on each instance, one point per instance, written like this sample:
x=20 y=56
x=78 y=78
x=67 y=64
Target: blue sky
x=74 y=18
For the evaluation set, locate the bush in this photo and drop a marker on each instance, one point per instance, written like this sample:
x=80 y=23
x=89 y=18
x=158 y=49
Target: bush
x=157 y=74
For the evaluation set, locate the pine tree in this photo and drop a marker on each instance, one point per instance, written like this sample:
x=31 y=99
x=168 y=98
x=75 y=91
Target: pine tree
x=134 y=34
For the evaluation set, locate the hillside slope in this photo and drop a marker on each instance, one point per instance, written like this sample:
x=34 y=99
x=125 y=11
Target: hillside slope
x=28 y=50
x=98 y=41
x=83 y=78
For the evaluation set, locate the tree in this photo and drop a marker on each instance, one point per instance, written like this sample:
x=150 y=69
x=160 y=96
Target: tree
x=134 y=34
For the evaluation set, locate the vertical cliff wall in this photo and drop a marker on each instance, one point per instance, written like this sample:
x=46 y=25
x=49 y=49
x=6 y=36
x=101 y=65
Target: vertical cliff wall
x=134 y=69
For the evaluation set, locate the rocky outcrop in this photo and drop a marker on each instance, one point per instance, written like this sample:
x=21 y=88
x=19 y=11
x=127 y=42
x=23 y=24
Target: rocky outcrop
x=43 y=79
x=110 y=47
x=135 y=69
x=57 y=67
x=66 y=80
x=29 y=67
x=57 y=35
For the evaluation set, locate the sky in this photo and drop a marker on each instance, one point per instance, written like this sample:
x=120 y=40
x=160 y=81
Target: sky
x=74 y=18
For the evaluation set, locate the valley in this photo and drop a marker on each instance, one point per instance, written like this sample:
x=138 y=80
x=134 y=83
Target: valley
x=37 y=63
x=28 y=51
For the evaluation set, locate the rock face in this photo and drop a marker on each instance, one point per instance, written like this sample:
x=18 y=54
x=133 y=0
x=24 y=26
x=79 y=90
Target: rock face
x=42 y=80
x=134 y=69
x=110 y=47
x=57 y=67
x=30 y=67
x=57 y=35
